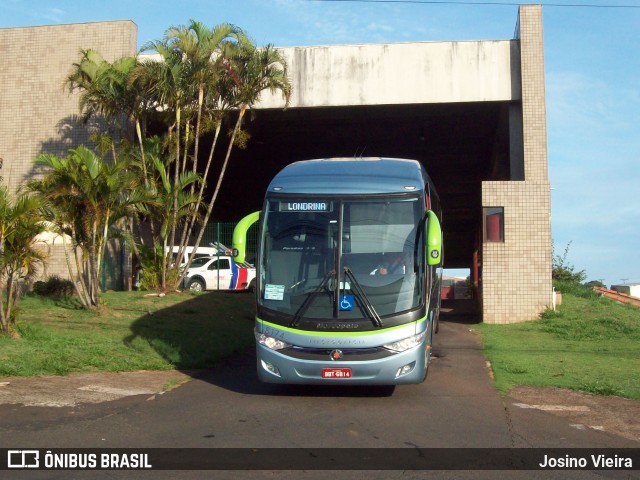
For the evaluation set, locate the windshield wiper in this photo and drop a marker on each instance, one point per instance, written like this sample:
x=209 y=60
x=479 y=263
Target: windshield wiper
x=366 y=303
x=311 y=297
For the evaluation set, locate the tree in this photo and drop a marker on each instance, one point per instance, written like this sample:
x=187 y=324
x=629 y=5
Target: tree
x=563 y=271
x=188 y=83
x=251 y=70
x=20 y=258
x=163 y=190
x=205 y=75
x=87 y=196
x=108 y=94
x=105 y=92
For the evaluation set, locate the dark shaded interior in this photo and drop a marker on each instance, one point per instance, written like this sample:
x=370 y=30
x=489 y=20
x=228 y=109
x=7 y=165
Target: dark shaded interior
x=460 y=145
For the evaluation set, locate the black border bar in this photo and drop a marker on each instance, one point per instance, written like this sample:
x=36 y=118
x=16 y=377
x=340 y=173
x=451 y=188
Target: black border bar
x=320 y=459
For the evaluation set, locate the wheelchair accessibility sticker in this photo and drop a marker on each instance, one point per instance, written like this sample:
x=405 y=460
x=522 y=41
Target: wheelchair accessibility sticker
x=346 y=303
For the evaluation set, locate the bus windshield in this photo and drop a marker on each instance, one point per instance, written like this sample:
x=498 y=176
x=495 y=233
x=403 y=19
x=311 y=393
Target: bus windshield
x=342 y=259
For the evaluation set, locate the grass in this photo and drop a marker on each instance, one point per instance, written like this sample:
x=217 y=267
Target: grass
x=590 y=343
x=131 y=332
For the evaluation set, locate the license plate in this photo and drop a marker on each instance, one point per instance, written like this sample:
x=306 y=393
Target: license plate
x=336 y=373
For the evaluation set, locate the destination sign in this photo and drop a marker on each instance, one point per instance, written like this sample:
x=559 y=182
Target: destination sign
x=317 y=206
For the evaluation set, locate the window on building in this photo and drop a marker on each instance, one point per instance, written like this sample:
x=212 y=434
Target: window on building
x=493 y=224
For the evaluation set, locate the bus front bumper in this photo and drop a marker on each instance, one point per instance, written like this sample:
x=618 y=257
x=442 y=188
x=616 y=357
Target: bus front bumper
x=401 y=368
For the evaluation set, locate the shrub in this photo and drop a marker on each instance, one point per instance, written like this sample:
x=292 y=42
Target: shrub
x=54 y=286
x=574 y=288
x=564 y=271
x=151 y=269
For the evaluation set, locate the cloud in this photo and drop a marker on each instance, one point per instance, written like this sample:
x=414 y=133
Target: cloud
x=578 y=103
x=54 y=14
x=593 y=145
x=22 y=13
x=379 y=27
x=326 y=23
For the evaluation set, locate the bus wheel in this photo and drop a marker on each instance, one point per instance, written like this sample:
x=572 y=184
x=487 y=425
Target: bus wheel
x=196 y=285
x=428 y=349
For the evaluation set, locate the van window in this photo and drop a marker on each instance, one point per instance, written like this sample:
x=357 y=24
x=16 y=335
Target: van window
x=200 y=262
x=222 y=264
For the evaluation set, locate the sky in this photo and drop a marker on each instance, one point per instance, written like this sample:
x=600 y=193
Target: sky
x=592 y=72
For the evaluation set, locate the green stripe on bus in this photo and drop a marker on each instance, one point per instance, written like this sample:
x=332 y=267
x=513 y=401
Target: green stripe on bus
x=335 y=334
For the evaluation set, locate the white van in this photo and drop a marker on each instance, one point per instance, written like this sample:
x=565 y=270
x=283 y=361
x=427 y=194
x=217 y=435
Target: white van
x=213 y=250
x=219 y=273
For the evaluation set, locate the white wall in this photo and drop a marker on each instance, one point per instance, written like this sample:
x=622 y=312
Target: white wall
x=402 y=73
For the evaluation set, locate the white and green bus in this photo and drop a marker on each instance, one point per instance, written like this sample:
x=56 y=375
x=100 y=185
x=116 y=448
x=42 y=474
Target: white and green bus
x=348 y=272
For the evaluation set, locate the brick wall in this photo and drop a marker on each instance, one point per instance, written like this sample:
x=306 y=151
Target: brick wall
x=36 y=114
x=516 y=273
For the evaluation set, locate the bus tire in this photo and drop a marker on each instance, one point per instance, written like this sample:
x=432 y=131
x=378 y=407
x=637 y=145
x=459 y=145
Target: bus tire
x=428 y=349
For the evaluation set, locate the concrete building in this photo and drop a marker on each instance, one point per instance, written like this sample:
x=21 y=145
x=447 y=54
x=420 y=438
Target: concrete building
x=472 y=112
x=38 y=116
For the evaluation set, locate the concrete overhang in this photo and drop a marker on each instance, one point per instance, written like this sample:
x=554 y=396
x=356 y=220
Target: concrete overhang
x=445 y=104
x=401 y=73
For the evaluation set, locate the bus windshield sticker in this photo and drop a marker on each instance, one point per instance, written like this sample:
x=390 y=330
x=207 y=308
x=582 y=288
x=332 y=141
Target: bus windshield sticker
x=317 y=206
x=346 y=303
x=273 y=292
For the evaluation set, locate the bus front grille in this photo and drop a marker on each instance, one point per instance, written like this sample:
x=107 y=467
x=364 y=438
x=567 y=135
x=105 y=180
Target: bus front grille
x=347 y=354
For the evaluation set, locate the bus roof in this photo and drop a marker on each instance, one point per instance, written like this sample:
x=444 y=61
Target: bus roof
x=350 y=176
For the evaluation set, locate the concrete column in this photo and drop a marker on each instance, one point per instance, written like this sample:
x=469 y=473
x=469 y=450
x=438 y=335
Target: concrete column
x=516 y=273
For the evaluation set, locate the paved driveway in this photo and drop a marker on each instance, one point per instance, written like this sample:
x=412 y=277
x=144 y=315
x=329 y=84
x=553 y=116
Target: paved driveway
x=457 y=406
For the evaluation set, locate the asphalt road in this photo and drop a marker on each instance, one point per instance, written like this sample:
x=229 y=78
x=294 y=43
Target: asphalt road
x=456 y=407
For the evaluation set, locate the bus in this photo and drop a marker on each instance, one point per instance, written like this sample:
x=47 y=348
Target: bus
x=348 y=272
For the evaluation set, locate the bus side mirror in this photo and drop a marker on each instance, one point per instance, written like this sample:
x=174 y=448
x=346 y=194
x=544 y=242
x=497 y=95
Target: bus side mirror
x=239 y=250
x=434 y=239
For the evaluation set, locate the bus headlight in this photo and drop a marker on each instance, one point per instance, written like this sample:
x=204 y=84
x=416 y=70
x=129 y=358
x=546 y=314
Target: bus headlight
x=270 y=342
x=405 y=343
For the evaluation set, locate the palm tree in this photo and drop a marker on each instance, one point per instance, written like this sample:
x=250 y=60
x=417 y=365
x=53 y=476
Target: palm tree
x=254 y=70
x=20 y=223
x=203 y=50
x=105 y=91
x=251 y=71
x=204 y=75
x=187 y=83
x=201 y=47
x=163 y=191
x=87 y=196
x=167 y=84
